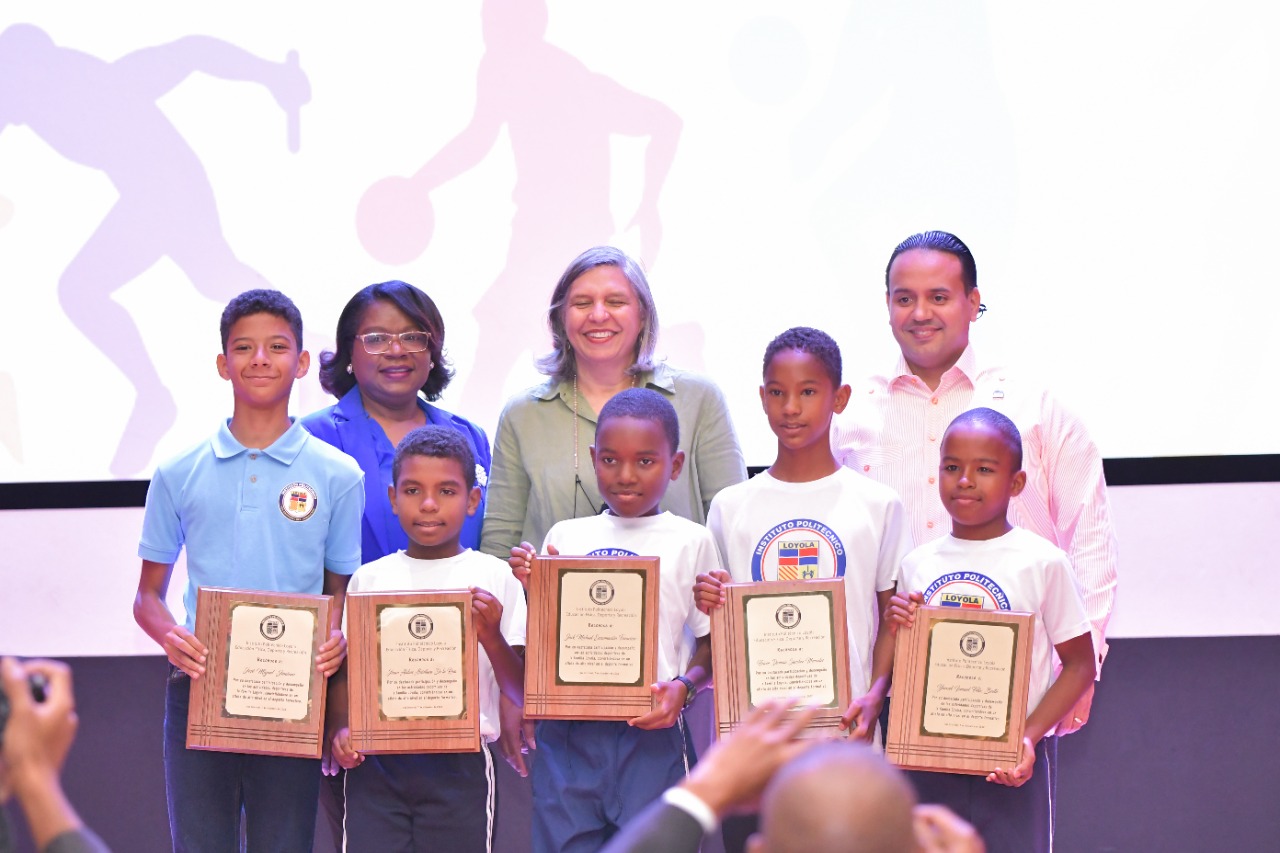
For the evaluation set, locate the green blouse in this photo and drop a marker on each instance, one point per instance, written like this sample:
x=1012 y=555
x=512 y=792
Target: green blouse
x=531 y=485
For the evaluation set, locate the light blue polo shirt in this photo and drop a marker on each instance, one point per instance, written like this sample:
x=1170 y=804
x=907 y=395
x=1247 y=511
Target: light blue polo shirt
x=270 y=519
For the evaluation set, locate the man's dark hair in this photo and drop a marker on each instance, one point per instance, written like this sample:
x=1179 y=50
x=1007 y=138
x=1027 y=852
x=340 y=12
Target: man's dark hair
x=939 y=241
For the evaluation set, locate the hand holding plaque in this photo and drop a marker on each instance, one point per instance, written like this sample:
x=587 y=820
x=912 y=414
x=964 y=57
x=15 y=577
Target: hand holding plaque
x=781 y=640
x=593 y=631
x=960 y=688
x=262 y=692
x=413 y=681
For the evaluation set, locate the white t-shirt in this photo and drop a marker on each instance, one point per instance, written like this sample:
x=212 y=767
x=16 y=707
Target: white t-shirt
x=1017 y=571
x=683 y=548
x=842 y=525
x=399 y=571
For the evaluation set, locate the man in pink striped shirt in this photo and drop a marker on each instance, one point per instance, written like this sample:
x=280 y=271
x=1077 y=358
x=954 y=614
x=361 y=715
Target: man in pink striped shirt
x=893 y=426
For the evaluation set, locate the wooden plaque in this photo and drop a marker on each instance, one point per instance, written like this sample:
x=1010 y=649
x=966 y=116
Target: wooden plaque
x=778 y=639
x=960 y=680
x=593 y=638
x=260 y=692
x=412 y=672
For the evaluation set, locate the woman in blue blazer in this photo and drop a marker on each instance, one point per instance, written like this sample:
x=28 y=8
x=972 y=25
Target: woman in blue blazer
x=388 y=363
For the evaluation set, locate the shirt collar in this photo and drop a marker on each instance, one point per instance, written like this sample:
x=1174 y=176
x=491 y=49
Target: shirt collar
x=967 y=365
x=284 y=449
x=660 y=377
x=351 y=406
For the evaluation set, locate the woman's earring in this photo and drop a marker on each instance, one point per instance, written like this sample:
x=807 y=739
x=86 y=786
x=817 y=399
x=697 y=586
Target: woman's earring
x=349 y=370
x=431 y=365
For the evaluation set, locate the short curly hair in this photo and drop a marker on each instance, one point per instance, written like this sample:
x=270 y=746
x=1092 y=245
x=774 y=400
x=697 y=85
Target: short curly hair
x=411 y=302
x=815 y=342
x=984 y=417
x=643 y=404
x=439 y=442
x=271 y=302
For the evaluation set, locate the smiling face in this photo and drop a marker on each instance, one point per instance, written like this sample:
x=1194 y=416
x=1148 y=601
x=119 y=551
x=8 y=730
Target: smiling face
x=799 y=399
x=603 y=318
x=431 y=499
x=634 y=462
x=976 y=479
x=262 y=360
x=929 y=311
x=391 y=379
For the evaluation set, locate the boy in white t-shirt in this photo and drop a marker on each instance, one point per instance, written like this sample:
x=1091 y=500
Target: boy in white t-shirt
x=443 y=800
x=1006 y=568
x=592 y=776
x=809 y=517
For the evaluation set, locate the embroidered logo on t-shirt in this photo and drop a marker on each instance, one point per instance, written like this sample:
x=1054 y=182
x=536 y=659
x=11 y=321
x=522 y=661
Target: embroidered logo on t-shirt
x=298 y=501
x=798 y=550
x=966 y=590
x=612 y=552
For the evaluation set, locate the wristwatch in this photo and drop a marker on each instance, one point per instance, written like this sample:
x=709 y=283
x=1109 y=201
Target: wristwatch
x=690 y=690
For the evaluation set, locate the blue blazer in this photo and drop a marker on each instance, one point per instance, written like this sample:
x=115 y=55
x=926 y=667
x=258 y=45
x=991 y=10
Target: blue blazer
x=345 y=425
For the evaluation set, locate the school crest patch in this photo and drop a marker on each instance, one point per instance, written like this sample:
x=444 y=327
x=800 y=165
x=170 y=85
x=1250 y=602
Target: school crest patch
x=966 y=591
x=797 y=550
x=298 y=501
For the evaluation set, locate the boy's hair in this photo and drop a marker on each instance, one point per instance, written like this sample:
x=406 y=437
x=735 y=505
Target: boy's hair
x=643 y=404
x=411 y=302
x=998 y=422
x=439 y=442
x=939 y=241
x=271 y=302
x=561 y=363
x=814 y=342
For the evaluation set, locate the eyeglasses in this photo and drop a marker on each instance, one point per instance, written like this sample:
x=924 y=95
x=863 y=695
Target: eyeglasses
x=376 y=343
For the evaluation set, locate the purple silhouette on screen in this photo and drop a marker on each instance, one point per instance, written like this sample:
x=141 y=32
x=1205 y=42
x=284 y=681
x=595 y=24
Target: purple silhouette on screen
x=942 y=145
x=104 y=115
x=559 y=115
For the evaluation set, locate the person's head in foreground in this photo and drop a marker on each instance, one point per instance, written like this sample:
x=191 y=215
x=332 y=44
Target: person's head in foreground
x=837 y=797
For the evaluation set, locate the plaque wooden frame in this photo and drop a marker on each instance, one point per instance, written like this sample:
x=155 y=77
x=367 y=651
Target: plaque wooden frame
x=546 y=696
x=729 y=655
x=372 y=731
x=908 y=744
x=209 y=725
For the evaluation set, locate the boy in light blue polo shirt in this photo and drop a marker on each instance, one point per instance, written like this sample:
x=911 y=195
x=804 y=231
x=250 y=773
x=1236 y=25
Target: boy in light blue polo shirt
x=262 y=505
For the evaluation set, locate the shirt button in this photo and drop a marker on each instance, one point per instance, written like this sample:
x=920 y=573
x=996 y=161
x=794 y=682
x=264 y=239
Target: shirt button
x=933 y=480
x=866 y=467
x=253 y=479
x=933 y=438
x=934 y=401
x=929 y=524
x=253 y=456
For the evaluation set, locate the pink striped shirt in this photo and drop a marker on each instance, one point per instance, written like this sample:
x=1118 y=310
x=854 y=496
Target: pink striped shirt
x=892 y=431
